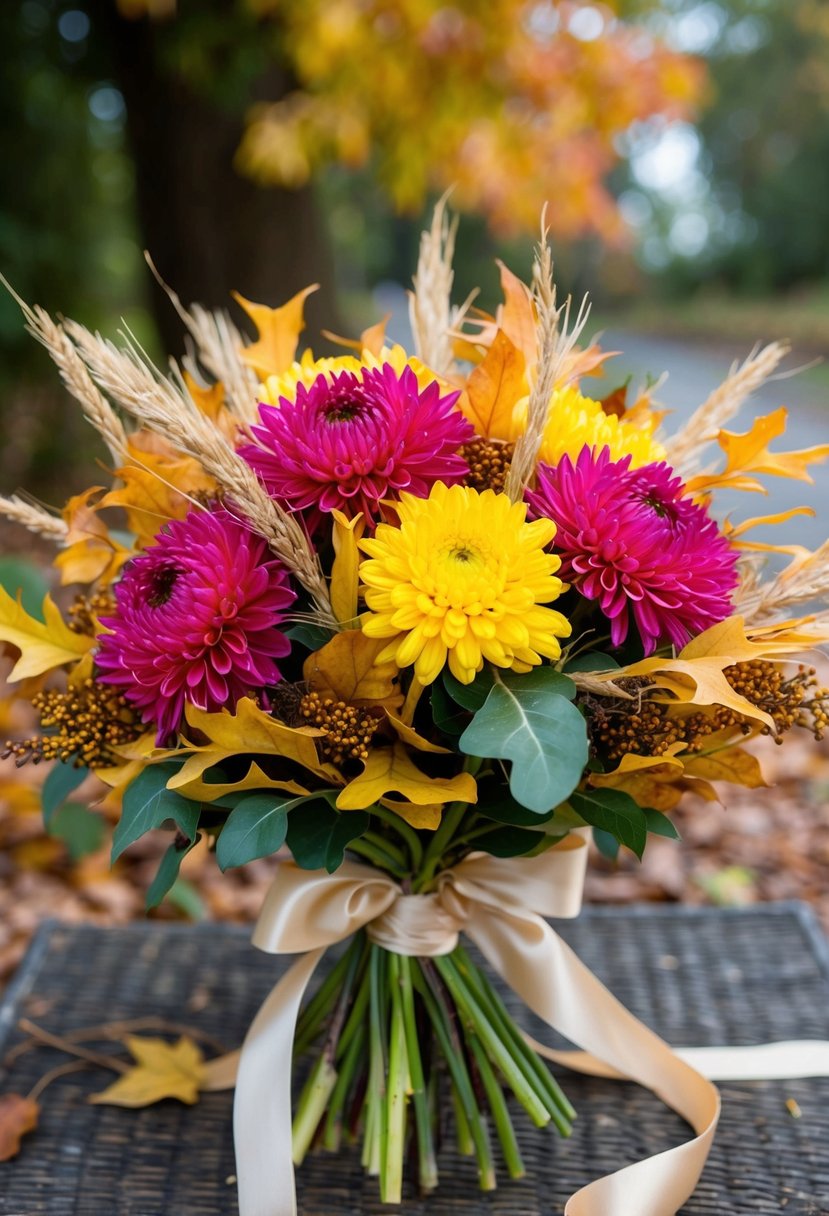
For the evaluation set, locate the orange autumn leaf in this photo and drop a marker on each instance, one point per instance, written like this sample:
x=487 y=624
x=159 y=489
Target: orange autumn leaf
x=493 y=389
x=516 y=316
x=279 y=330
x=159 y=485
x=391 y=770
x=346 y=669
x=749 y=453
x=732 y=764
x=209 y=400
x=90 y=554
x=18 y=1116
x=162 y=1070
x=373 y=338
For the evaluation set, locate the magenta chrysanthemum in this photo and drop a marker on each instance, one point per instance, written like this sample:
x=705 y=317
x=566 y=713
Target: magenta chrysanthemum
x=632 y=540
x=350 y=440
x=196 y=620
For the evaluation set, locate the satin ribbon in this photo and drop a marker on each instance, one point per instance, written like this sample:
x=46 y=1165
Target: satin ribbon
x=501 y=905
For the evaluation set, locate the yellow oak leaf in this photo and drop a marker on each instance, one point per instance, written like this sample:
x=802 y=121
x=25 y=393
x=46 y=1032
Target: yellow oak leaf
x=748 y=453
x=729 y=639
x=209 y=400
x=345 y=571
x=346 y=669
x=44 y=644
x=390 y=769
x=407 y=734
x=657 y=783
x=493 y=389
x=158 y=486
x=732 y=764
x=279 y=330
x=735 y=531
x=422 y=818
x=18 y=1115
x=252 y=730
x=90 y=553
x=254 y=779
x=162 y=1070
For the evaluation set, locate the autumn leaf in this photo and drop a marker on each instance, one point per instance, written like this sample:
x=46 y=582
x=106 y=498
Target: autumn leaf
x=346 y=669
x=159 y=484
x=200 y=790
x=18 y=1115
x=209 y=400
x=279 y=330
x=44 y=644
x=407 y=734
x=162 y=1070
x=748 y=453
x=390 y=769
x=732 y=764
x=345 y=576
x=373 y=339
x=728 y=638
x=494 y=388
x=421 y=818
x=90 y=553
x=516 y=316
x=252 y=730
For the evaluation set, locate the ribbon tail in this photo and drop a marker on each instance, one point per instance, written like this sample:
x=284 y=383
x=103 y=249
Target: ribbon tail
x=262 y=1106
x=788 y=1060
x=557 y=986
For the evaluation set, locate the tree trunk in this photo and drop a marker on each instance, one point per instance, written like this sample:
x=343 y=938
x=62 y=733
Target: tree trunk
x=208 y=229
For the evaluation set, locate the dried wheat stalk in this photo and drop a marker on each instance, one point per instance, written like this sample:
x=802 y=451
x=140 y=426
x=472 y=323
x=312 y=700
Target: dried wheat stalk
x=163 y=404
x=556 y=341
x=218 y=345
x=430 y=310
x=804 y=579
x=704 y=424
x=41 y=522
x=74 y=375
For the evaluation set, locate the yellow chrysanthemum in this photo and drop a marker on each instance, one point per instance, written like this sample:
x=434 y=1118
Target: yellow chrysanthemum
x=305 y=371
x=576 y=422
x=463 y=578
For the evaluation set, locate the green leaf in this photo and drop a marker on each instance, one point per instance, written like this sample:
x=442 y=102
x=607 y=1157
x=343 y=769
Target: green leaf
x=318 y=835
x=592 y=660
x=660 y=824
x=16 y=574
x=615 y=812
x=167 y=872
x=312 y=637
x=470 y=696
x=498 y=805
x=63 y=779
x=446 y=715
x=184 y=895
x=530 y=720
x=256 y=827
x=607 y=845
x=81 y=830
x=509 y=842
x=149 y=804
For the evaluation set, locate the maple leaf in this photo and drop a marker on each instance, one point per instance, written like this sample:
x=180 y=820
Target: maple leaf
x=18 y=1115
x=90 y=554
x=390 y=769
x=749 y=453
x=158 y=485
x=279 y=330
x=162 y=1070
x=494 y=388
x=346 y=669
x=44 y=644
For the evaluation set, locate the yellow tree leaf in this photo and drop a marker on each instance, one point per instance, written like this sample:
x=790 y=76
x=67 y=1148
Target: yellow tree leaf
x=373 y=339
x=252 y=730
x=345 y=572
x=390 y=769
x=18 y=1115
x=43 y=645
x=516 y=316
x=422 y=818
x=209 y=400
x=407 y=734
x=346 y=669
x=158 y=486
x=255 y=779
x=90 y=554
x=728 y=639
x=748 y=453
x=733 y=764
x=493 y=389
x=279 y=330
x=162 y=1070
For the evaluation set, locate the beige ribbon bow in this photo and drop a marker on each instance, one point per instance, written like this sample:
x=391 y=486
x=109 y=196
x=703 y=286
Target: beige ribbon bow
x=501 y=905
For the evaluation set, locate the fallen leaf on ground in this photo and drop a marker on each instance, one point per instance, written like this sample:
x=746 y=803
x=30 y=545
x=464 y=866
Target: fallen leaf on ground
x=18 y=1115
x=163 y=1070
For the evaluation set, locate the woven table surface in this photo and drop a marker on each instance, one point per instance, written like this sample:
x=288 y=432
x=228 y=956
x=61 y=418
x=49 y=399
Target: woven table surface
x=697 y=976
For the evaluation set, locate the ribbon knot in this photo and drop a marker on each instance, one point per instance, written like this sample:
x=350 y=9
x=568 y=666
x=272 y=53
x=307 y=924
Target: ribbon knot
x=422 y=926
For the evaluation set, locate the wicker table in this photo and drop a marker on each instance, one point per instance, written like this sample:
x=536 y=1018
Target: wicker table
x=698 y=976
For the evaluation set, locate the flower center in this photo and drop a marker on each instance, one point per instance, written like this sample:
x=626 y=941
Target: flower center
x=660 y=508
x=160 y=585
x=344 y=408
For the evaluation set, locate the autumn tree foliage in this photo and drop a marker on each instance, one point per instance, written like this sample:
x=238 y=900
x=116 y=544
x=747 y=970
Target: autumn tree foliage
x=514 y=103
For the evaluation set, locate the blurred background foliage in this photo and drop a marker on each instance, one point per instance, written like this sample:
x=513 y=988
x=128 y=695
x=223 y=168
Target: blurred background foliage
x=682 y=147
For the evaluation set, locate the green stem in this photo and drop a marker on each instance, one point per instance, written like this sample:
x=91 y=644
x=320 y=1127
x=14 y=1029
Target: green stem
x=453 y=816
x=332 y=1134
x=374 y=1150
x=377 y=856
x=311 y=1107
x=388 y=846
x=498 y=1106
x=391 y=1175
x=319 y=1007
x=399 y=825
x=427 y=1165
x=428 y=984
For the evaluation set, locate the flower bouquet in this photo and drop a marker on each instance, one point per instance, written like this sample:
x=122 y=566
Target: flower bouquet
x=414 y=623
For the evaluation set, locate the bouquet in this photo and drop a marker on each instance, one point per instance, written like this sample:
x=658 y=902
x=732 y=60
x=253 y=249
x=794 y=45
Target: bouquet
x=416 y=623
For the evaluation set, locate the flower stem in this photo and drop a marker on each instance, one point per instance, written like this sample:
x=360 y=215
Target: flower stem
x=427 y=1165
x=397 y=1085
x=318 y=1008
x=378 y=856
x=375 y=1128
x=498 y=1106
x=404 y=829
x=311 y=1106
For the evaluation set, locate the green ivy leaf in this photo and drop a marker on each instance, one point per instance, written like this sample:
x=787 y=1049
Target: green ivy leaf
x=149 y=804
x=615 y=812
x=446 y=715
x=63 y=779
x=530 y=720
x=497 y=804
x=509 y=841
x=607 y=845
x=470 y=696
x=81 y=830
x=256 y=827
x=167 y=873
x=592 y=660
x=312 y=637
x=318 y=835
